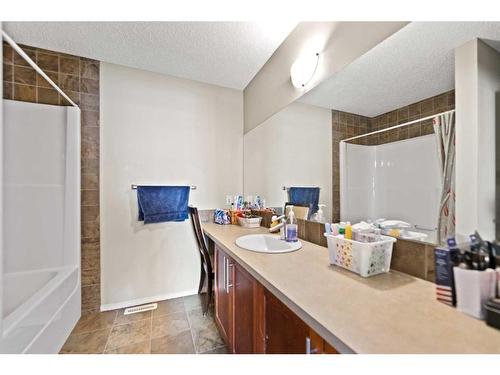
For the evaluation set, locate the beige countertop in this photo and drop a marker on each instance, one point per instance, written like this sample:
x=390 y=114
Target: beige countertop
x=388 y=313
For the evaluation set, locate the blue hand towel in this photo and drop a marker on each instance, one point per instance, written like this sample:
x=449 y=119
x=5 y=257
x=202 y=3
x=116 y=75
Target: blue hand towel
x=162 y=203
x=305 y=196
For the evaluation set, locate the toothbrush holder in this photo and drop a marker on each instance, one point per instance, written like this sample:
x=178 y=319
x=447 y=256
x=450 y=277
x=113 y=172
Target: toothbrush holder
x=473 y=289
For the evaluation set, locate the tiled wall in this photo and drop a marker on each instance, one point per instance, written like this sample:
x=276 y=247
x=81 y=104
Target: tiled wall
x=347 y=125
x=344 y=125
x=79 y=79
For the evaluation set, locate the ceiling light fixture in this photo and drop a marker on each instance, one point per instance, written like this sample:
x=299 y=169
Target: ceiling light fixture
x=303 y=70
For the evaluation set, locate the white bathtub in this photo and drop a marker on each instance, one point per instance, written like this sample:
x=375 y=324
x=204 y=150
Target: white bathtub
x=40 y=308
x=40 y=265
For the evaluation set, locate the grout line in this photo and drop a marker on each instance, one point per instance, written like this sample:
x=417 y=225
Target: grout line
x=87 y=332
x=186 y=311
x=217 y=347
x=111 y=330
x=151 y=333
x=133 y=321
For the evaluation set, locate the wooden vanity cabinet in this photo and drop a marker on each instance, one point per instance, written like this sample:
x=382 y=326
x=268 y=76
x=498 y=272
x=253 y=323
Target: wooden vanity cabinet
x=252 y=320
x=223 y=296
x=235 y=305
x=243 y=311
x=285 y=332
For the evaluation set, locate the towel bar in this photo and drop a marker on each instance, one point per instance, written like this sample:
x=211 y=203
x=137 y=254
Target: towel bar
x=286 y=188
x=134 y=187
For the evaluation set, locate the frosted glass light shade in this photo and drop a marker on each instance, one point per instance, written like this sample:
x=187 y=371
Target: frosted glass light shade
x=303 y=69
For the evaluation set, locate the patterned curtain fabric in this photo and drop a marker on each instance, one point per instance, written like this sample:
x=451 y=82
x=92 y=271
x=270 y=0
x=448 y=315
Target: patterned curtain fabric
x=444 y=128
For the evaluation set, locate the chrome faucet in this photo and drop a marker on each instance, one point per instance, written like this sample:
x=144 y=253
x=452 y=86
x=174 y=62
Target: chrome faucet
x=281 y=226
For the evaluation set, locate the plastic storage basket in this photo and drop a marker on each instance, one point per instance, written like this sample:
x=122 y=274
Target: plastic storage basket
x=250 y=222
x=364 y=258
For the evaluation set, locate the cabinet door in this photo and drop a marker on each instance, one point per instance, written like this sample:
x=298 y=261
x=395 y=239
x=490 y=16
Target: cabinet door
x=286 y=333
x=329 y=349
x=223 y=296
x=243 y=311
x=317 y=345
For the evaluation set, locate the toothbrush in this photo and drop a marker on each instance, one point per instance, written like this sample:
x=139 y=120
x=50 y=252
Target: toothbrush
x=328 y=228
x=335 y=229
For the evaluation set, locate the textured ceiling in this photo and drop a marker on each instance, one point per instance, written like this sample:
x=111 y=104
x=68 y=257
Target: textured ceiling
x=227 y=54
x=413 y=64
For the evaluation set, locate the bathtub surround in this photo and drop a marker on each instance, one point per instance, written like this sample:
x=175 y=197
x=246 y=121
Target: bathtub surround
x=369 y=192
x=347 y=125
x=41 y=283
x=161 y=130
x=79 y=79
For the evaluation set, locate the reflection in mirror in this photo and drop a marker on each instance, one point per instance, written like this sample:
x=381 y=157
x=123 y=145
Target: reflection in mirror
x=291 y=149
x=391 y=168
x=394 y=176
x=388 y=166
x=385 y=167
x=399 y=173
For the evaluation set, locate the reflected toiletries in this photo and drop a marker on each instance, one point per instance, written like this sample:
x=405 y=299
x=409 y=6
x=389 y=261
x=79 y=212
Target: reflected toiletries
x=348 y=231
x=341 y=227
x=291 y=226
x=328 y=228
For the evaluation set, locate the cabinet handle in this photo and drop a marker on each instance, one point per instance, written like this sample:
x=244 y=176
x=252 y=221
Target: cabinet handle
x=227 y=265
x=229 y=280
x=308 y=347
x=224 y=273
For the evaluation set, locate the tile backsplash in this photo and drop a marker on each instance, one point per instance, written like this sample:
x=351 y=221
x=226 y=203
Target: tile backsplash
x=78 y=77
x=347 y=125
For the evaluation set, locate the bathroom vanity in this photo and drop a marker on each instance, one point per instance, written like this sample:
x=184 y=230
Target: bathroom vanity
x=297 y=303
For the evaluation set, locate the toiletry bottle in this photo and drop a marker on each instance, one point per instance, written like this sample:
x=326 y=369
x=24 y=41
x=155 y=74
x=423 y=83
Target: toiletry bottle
x=291 y=226
x=341 y=228
x=348 y=231
x=335 y=229
x=320 y=216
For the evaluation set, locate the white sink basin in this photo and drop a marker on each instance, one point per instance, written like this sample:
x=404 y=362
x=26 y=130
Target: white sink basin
x=409 y=235
x=267 y=243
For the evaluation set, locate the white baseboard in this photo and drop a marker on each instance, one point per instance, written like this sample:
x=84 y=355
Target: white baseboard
x=140 y=301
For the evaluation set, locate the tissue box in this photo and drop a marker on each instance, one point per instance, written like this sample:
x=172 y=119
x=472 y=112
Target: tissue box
x=444 y=260
x=222 y=217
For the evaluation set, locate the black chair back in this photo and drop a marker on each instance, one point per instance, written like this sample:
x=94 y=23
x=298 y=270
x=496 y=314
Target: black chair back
x=200 y=239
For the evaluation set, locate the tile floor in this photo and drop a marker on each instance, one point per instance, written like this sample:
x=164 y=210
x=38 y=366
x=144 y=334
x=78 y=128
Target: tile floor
x=177 y=326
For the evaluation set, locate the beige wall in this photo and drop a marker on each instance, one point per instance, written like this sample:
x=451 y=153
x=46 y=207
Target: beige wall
x=339 y=44
x=477 y=80
x=158 y=129
x=292 y=148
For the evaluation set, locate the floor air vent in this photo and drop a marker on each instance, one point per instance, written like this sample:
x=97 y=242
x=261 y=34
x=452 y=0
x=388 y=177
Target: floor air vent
x=141 y=308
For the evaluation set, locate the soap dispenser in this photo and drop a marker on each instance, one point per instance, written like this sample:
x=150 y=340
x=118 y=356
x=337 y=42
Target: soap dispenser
x=291 y=226
x=319 y=216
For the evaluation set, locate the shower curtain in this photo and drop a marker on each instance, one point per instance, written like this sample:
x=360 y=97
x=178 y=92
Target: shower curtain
x=444 y=128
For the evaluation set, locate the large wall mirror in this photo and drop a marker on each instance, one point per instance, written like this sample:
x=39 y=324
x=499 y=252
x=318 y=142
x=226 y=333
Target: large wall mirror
x=377 y=138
